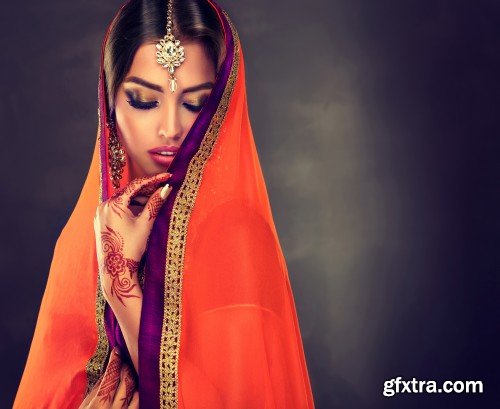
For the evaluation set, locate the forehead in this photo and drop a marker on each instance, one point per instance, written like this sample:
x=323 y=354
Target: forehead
x=195 y=69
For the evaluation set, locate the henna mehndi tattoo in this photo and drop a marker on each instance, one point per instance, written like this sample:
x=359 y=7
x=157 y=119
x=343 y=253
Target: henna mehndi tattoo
x=115 y=202
x=116 y=265
x=144 y=189
x=129 y=387
x=154 y=206
x=148 y=190
x=110 y=382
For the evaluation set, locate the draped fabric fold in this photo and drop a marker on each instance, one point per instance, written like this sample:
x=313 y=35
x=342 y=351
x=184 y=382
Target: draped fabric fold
x=218 y=327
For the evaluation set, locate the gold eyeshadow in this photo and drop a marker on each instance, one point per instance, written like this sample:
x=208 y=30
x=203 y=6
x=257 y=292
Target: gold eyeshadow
x=139 y=96
x=196 y=101
x=139 y=99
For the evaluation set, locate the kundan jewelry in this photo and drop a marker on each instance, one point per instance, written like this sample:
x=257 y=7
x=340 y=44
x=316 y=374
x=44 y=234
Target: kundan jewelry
x=116 y=154
x=170 y=54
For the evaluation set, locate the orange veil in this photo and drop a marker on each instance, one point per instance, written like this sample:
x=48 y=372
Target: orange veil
x=219 y=327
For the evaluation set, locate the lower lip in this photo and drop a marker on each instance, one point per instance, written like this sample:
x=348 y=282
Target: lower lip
x=162 y=159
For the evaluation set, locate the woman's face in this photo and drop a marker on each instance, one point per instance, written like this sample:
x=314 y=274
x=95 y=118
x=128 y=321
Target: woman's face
x=149 y=116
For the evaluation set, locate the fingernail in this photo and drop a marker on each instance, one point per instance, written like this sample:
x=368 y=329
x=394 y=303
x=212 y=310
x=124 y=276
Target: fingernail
x=164 y=191
x=117 y=351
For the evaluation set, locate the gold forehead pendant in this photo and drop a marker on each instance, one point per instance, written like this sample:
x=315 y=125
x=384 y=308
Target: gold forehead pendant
x=170 y=54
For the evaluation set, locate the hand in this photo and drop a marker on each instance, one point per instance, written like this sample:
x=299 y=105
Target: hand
x=116 y=388
x=121 y=235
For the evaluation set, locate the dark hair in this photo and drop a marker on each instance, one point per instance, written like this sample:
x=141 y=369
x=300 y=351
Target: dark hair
x=144 y=21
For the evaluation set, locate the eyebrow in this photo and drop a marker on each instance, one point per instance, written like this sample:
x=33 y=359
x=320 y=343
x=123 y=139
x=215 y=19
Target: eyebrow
x=147 y=84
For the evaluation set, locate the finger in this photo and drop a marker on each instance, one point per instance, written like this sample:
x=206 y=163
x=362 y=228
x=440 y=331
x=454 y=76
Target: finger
x=110 y=380
x=125 y=389
x=134 y=403
x=154 y=204
x=144 y=183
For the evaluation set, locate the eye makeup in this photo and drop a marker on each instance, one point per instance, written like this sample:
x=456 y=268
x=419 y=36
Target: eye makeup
x=136 y=101
x=196 y=105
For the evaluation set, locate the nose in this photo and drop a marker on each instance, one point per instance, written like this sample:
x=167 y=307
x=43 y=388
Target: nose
x=170 y=127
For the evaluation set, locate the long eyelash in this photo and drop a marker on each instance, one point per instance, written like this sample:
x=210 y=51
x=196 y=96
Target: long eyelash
x=142 y=105
x=138 y=104
x=193 y=108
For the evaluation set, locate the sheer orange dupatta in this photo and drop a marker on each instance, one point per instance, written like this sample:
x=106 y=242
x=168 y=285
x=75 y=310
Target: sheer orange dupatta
x=66 y=335
x=240 y=341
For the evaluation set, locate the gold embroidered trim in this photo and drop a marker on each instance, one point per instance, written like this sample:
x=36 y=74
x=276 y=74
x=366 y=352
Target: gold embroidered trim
x=183 y=204
x=96 y=364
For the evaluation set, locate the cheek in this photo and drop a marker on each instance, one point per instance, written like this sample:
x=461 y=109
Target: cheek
x=186 y=120
x=135 y=131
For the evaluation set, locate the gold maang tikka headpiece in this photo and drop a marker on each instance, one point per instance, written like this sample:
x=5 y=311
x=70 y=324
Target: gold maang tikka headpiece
x=170 y=53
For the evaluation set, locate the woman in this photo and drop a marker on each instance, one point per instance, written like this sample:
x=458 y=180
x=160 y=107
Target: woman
x=169 y=296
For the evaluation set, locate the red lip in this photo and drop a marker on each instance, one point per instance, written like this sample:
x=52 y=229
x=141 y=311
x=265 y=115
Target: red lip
x=163 y=160
x=164 y=148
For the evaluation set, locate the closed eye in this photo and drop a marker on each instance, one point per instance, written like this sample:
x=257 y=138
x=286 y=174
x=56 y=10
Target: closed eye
x=135 y=103
x=193 y=108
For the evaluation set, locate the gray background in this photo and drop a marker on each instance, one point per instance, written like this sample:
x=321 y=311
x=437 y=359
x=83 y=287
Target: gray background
x=377 y=129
